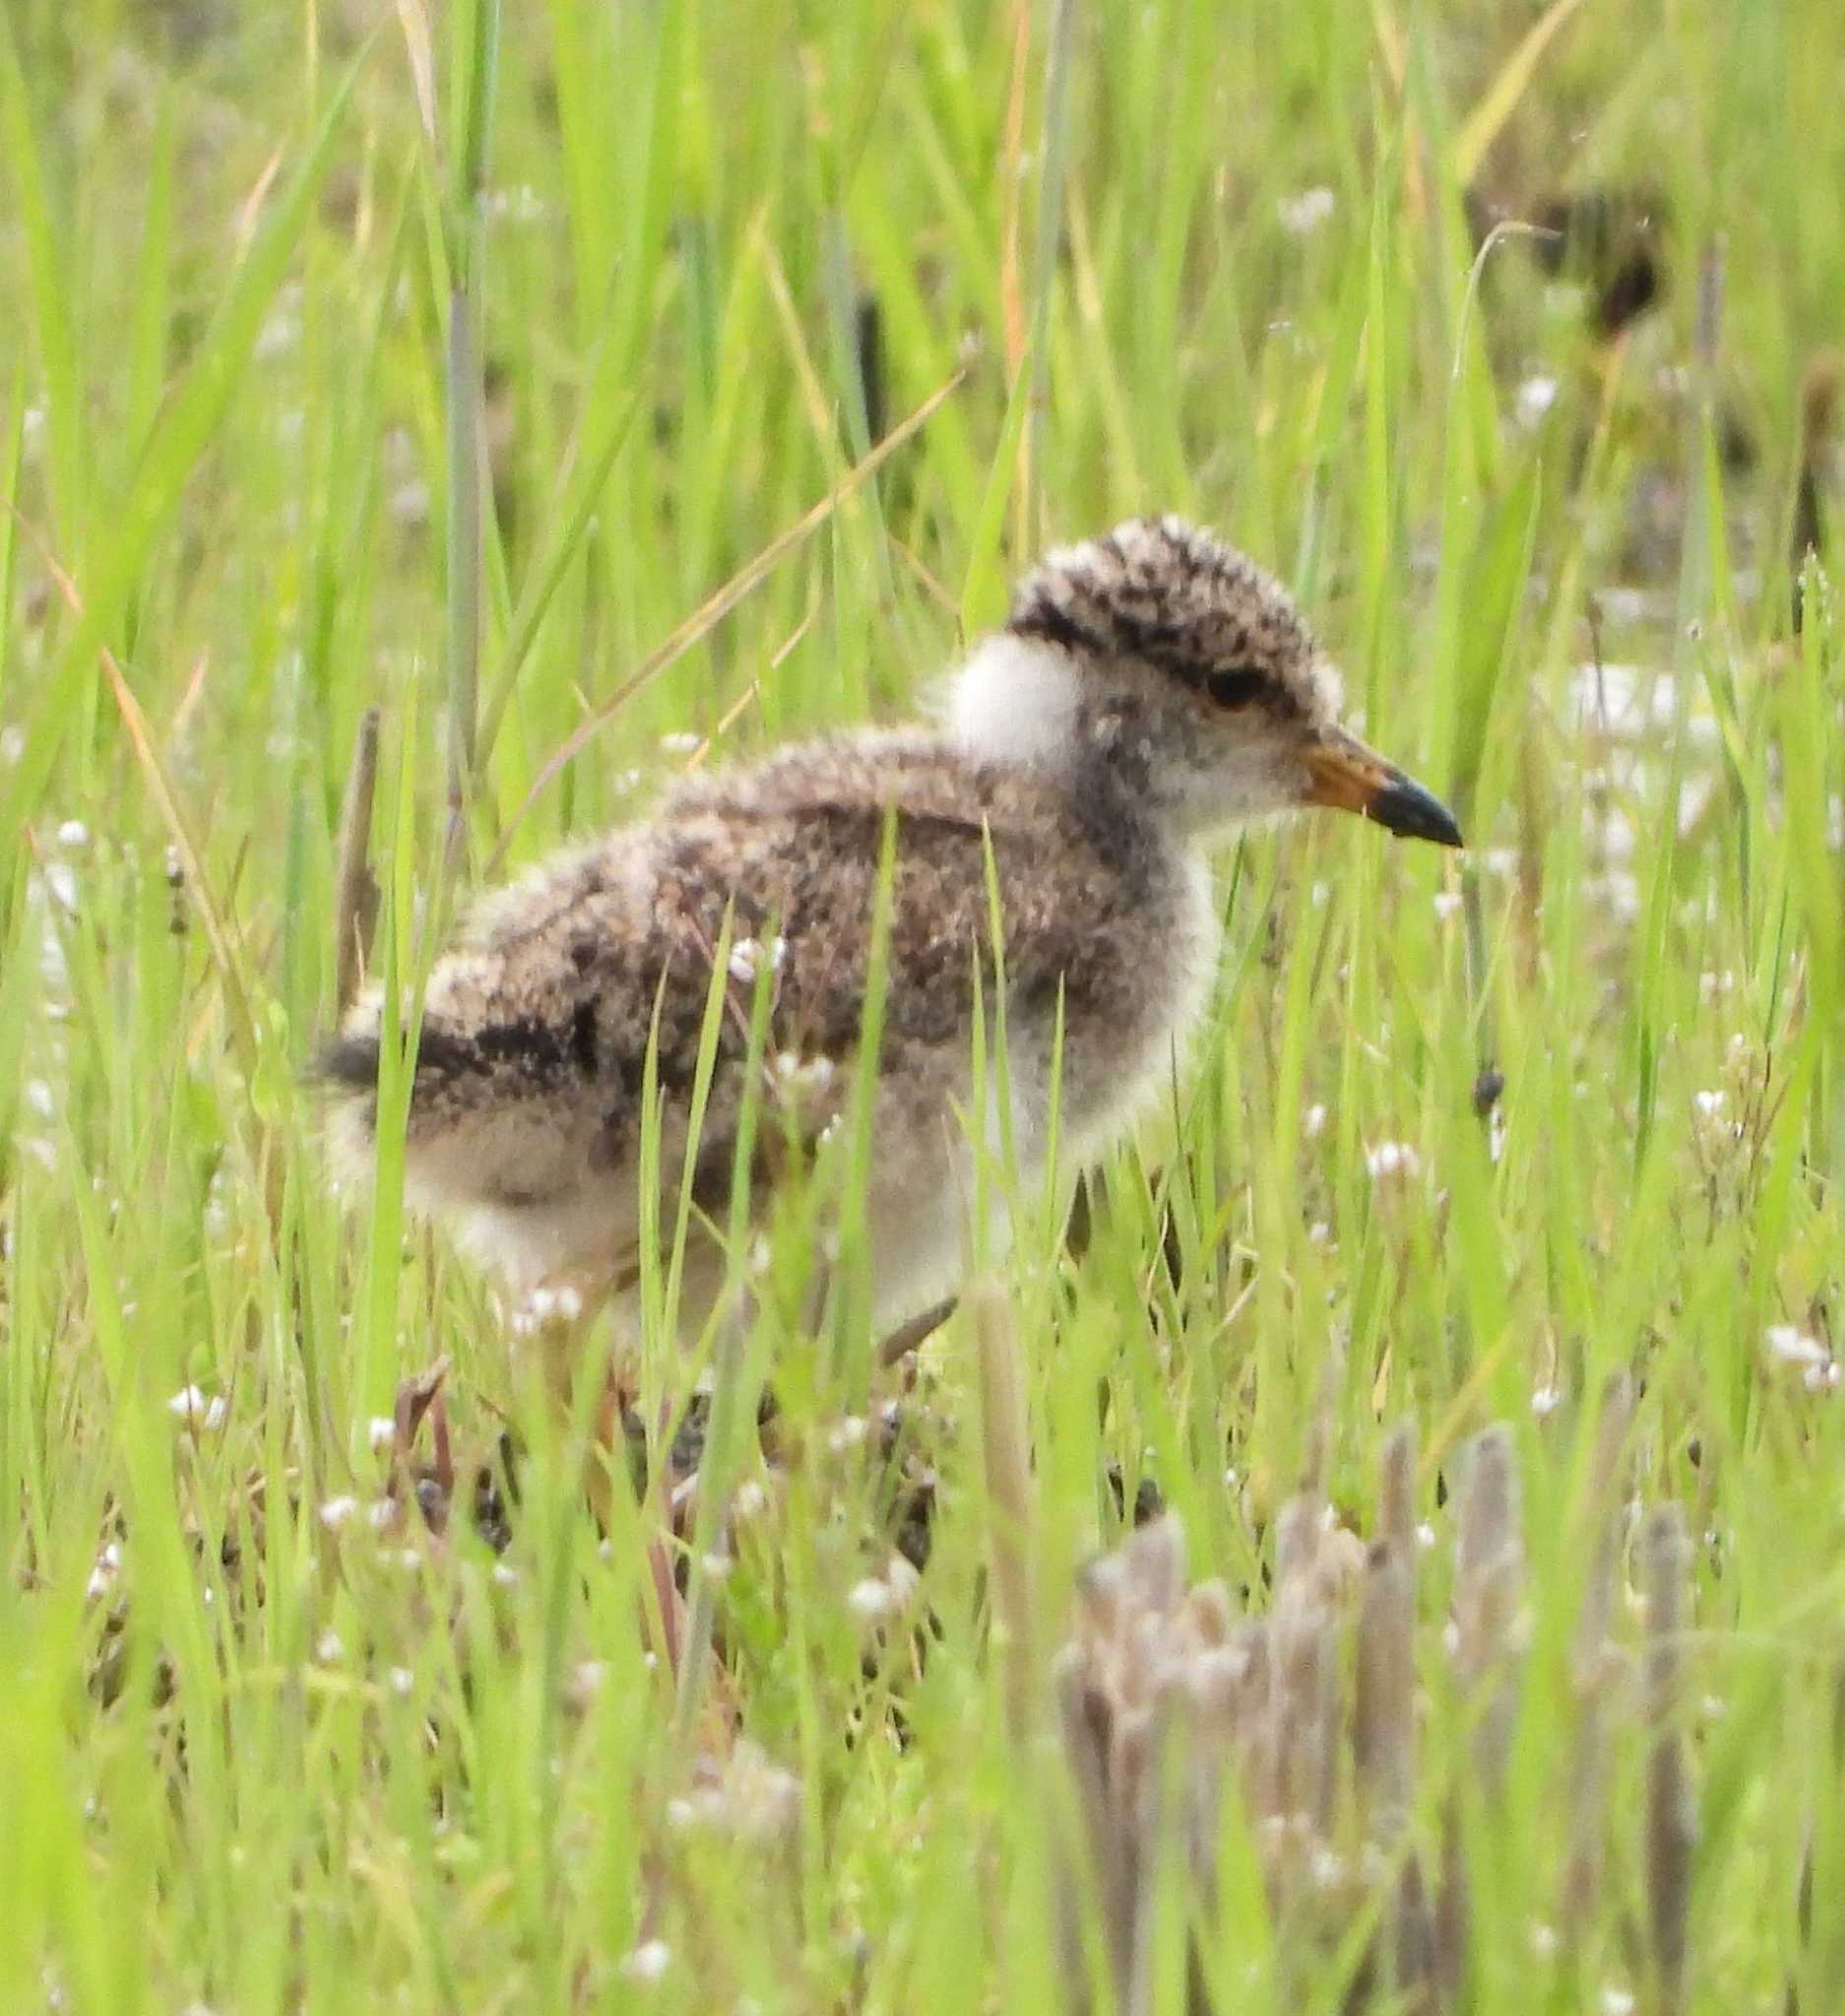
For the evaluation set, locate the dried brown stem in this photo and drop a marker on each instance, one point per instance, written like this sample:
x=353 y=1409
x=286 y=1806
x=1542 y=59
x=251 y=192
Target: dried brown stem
x=1597 y=1665
x=1670 y=1809
x=354 y=890
x=1488 y=1588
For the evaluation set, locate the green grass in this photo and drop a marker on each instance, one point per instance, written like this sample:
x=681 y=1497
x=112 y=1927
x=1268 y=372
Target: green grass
x=267 y=1766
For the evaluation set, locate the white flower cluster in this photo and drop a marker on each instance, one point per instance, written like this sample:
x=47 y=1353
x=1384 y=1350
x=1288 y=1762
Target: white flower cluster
x=194 y=1410
x=878 y=1598
x=747 y=957
x=1817 y=1367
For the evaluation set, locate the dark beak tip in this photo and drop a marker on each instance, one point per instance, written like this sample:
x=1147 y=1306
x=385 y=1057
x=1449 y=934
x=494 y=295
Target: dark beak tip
x=1403 y=807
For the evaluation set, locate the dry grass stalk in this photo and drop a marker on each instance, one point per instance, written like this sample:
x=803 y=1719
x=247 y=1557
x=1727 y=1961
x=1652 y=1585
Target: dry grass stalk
x=1169 y=1704
x=1598 y=1667
x=354 y=891
x=1152 y=1677
x=1671 y=1812
x=1488 y=1594
x=1486 y=1636
x=1384 y=1717
x=1384 y=1732
x=1164 y=1695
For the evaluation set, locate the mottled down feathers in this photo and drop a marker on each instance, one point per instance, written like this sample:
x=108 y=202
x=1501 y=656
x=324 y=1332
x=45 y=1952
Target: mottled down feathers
x=1150 y=687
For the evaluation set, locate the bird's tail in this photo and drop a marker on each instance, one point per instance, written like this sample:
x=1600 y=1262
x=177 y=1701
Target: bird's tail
x=497 y=1110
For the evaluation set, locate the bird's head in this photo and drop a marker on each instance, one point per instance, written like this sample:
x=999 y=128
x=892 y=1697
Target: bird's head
x=1186 y=673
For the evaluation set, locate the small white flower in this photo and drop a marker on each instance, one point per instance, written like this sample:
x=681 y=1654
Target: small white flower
x=1794 y=1347
x=335 y=1512
x=73 y=834
x=1425 y=1534
x=522 y=204
x=1447 y=903
x=382 y=1513
x=505 y=1575
x=1319 y=1233
x=408 y=504
x=648 y=1961
x=748 y=1500
x=380 y=1432
x=1617 y=2001
x=746 y=960
x=1302 y=214
x=1313 y=1121
x=845 y=1434
x=1544 y=1940
x=1709 y=1104
x=1822 y=1378
x=871 y=1600
x=1617 y=892
x=401 y=1680
x=107 y=1567
x=329 y=1649
x=202 y=1413
x=1393 y=1162
x=278 y=335
x=1534 y=398
x=799 y=1077
x=1545 y=1401
x=681 y=742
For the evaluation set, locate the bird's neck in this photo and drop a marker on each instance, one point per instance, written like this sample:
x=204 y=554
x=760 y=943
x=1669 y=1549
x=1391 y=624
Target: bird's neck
x=1014 y=700
x=1019 y=701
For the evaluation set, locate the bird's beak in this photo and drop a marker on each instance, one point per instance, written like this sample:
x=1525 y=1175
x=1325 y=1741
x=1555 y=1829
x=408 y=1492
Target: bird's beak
x=1342 y=772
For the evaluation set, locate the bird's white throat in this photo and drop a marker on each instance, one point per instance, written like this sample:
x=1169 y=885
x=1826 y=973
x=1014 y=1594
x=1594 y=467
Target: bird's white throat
x=1014 y=701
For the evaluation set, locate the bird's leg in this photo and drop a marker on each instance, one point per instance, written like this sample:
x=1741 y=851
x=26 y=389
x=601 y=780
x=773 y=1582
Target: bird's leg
x=915 y=1331
x=560 y=1317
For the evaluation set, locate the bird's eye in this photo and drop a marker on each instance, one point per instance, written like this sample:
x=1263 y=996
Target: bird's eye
x=1234 y=685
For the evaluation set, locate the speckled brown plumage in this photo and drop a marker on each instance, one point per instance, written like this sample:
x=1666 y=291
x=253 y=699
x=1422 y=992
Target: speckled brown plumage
x=1150 y=687
x=1169 y=594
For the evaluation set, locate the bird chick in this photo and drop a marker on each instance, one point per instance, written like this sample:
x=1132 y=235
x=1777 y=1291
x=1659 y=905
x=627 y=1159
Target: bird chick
x=1151 y=689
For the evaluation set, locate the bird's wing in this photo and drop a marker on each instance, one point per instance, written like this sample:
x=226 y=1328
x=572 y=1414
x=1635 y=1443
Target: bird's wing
x=572 y=992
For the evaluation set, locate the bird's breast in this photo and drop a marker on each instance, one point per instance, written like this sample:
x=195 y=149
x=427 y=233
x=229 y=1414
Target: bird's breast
x=1133 y=993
